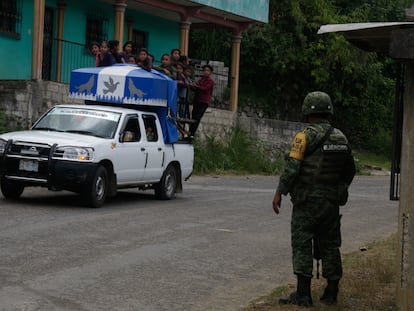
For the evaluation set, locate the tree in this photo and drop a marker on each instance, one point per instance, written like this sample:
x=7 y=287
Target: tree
x=285 y=59
x=295 y=60
x=214 y=44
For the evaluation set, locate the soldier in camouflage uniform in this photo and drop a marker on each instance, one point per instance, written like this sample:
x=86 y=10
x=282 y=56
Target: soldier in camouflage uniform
x=318 y=172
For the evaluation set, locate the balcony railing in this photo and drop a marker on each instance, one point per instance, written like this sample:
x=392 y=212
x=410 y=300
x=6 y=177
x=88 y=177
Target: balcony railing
x=70 y=55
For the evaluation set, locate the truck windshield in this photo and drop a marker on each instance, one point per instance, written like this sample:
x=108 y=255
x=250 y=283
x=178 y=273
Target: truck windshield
x=98 y=123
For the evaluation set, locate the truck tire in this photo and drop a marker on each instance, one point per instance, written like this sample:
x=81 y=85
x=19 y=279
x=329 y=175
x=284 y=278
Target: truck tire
x=11 y=189
x=166 y=188
x=95 y=194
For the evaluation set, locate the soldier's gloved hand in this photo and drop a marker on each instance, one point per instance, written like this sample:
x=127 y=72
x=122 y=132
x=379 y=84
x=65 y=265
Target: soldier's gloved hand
x=277 y=199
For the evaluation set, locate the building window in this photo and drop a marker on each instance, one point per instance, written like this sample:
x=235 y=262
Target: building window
x=96 y=29
x=140 y=39
x=11 y=18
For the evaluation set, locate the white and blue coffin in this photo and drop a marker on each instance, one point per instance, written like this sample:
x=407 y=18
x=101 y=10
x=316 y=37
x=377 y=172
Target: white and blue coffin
x=132 y=86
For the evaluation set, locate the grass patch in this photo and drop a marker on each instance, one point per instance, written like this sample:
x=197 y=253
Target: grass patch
x=367 y=163
x=369 y=283
x=237 y=153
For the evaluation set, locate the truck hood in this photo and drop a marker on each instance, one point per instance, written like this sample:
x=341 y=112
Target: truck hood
x=46 y=137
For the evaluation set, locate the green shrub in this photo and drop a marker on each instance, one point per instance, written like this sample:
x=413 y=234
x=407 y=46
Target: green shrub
x=236 y=153
x=367 y=161
x=381 y=143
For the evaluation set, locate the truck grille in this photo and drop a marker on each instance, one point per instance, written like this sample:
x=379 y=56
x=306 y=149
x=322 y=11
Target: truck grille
x=29 y=150
x=27 y=160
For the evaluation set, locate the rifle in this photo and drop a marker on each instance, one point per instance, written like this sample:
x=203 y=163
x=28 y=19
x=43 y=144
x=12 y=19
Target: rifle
x=316 y=254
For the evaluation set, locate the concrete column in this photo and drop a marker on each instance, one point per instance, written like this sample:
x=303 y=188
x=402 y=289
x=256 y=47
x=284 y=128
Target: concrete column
x=37 y=38
x=235 y=71
x=119 y=7
x=184 y=37
x=60 y=23
x=405 y=254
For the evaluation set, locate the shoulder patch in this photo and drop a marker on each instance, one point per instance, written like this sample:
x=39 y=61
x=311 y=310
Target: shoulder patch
x=298 y=146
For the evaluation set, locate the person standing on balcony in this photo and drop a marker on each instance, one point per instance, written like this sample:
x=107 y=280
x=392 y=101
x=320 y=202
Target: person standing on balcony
x=204 y=93
x=127 y=51
x=188 y=73
x=184 y=60
x=174 y=58
x=132 y=59
x=165 y=66
x=144 y=61
x=113 y=48
x=105 y=57
x=94 y=47
x=182 y=87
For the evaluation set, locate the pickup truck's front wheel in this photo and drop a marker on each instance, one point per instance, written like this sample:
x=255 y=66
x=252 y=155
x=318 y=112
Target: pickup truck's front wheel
x=96 y=193
x=166 y=188
x=11 y=189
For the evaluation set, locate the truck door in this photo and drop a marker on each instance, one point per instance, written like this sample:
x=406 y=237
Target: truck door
x=154 y=147
x=131 y=158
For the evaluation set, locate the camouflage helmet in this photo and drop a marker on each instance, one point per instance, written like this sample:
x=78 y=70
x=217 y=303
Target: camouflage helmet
x=317 y=103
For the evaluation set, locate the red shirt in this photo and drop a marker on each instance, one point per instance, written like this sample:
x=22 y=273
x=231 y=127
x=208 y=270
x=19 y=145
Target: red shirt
x=204 y=90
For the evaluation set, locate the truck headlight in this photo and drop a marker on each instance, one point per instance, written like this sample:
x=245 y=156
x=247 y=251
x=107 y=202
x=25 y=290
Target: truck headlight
x=76 y=153
x=2 y=145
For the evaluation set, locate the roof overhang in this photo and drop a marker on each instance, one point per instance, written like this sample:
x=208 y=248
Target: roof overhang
x=375 y=37
x=192 y=12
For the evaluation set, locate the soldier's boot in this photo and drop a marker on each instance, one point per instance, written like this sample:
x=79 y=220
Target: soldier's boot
x=330 y=293
x=302 y=295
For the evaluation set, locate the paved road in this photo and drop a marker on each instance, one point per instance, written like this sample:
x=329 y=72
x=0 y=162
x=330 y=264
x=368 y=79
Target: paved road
x=216 y=247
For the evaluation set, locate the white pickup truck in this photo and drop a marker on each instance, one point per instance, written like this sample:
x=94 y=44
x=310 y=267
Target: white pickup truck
x=94 y=150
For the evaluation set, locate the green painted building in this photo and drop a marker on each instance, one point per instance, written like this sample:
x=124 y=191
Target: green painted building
x=41 y=41
x=152 y=24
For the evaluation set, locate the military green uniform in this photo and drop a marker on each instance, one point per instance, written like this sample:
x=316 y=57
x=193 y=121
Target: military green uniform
x=317 y=177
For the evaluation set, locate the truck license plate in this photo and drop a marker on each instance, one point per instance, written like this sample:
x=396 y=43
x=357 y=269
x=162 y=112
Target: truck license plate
x=29 y=165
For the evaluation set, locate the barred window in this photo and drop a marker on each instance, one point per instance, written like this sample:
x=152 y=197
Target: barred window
x=96 y=29
x=140 y=39
x=11 y=18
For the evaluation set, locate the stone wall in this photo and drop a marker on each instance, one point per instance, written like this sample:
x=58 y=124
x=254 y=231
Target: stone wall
x=216 y=123
x=26 y=101
x=276 y=135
